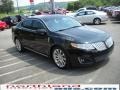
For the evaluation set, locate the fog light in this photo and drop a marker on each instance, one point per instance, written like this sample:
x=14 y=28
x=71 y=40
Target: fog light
x=81 y=60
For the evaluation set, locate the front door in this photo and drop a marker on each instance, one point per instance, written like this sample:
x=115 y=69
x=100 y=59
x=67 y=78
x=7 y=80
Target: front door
x=41 y=43
x=80 y=17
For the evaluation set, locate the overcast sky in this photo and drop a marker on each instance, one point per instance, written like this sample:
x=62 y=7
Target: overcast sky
x=26 y=2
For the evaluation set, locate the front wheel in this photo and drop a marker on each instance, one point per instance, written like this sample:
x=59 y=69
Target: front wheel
x=60 y=58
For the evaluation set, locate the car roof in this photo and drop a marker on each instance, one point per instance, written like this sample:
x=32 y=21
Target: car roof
x=91 y=10
x=46 y=16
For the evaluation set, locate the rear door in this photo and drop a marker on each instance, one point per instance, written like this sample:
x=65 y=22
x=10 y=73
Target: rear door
x=27 y=33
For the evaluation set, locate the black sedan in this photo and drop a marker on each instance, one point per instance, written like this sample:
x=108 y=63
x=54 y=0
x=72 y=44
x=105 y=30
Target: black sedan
x=63 y=39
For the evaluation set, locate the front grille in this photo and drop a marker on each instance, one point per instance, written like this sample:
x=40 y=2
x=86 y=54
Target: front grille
x=100 y=46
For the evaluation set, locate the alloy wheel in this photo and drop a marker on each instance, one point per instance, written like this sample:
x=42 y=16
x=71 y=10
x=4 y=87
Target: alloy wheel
x=59 y=58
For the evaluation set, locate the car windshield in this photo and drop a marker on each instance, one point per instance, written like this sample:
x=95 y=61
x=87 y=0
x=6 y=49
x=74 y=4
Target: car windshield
x=61 y=23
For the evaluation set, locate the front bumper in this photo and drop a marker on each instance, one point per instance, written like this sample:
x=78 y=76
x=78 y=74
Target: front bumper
x=81 y=57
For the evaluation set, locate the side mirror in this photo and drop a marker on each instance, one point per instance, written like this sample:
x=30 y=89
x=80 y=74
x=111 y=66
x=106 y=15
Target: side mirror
x=82 y=24
x=41 y=31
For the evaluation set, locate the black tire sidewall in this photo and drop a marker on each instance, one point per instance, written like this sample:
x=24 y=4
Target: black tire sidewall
x=20 y=45
x=94 y=21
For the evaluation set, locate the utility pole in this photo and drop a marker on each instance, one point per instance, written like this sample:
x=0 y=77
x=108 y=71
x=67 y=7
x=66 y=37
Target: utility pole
x=44 y=4
x=53 y=6
x=17 y=6
x=32 y=5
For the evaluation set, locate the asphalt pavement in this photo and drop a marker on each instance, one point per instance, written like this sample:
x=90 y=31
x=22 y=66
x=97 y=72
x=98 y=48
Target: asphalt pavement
x=28 y=67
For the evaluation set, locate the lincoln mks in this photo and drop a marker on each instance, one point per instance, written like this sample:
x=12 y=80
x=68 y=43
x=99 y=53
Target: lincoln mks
x=63 y=39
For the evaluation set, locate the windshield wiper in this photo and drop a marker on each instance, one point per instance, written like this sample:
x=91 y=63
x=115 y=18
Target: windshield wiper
x=68 y=28
x=74 y=27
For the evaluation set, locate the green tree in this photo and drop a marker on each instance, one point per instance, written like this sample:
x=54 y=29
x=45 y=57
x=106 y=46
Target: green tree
x=70 y=6
x=7 y=6
x=73 y=5
x=82 y=3
x=76 y=5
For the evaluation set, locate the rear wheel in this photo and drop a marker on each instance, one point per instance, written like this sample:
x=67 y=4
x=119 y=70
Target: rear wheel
x=18 y=45
x=97 y=21
x=60 y=58
x=2 y=29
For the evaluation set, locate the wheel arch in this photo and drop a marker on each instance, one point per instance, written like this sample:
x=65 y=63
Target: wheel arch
x=68 y=64
x=97 y=18
x=52 y=47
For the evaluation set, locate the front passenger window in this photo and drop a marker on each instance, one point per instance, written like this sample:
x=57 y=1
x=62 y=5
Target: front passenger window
x=90 y=13
x=81 y=13
x=27 y=23
x=37 y=25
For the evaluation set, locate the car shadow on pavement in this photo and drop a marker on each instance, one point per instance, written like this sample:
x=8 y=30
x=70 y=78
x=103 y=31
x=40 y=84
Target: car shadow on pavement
x=116 y=22
x=94 y=24
x=48 y=63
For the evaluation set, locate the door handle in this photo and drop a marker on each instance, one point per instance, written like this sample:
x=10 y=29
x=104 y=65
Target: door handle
x=31 y=35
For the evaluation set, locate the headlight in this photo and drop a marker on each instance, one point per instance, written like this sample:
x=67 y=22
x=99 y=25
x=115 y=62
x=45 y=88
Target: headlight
x=83 y=46
x=109 y=42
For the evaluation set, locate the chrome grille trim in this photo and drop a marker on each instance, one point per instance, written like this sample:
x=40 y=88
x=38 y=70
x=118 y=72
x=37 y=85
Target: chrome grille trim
x=100 y=46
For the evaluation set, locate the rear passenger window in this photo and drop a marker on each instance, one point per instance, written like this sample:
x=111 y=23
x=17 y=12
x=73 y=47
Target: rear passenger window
x=27 y=23
x=90 y=12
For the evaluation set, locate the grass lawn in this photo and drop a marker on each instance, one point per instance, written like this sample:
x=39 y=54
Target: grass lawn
x=4 y=14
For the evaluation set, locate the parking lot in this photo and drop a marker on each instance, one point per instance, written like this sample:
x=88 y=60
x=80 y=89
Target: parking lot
x=29 y=67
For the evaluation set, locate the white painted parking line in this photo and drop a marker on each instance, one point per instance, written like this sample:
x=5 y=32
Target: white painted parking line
x=20 y=69
x=8 y=55
x=5 y=52
x=30 y=76
x=16 y=63
x=6 y=60
x=2 y=49
x=95 y=75
x=54 y=79
x=57 y=78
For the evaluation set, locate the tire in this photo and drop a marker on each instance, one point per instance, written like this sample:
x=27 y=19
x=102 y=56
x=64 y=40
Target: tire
x=18 y=45
x=2 y=29
x=60 y=57
x=97 y=21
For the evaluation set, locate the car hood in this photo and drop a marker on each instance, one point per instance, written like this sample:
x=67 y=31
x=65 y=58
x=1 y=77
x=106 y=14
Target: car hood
x=84 y=34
